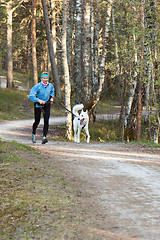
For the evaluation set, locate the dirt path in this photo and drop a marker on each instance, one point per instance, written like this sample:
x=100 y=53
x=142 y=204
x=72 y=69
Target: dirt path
x=118 y=183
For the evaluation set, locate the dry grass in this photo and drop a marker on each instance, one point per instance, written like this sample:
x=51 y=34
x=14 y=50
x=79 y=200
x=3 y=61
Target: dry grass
x=36 y=201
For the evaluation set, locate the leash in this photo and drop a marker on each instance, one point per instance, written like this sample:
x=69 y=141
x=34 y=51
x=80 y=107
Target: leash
x=42 y=105
x=42 y=108
x=62 y=106
x=58 y=103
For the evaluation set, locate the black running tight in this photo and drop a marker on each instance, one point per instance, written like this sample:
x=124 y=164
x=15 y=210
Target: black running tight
x=37 y=116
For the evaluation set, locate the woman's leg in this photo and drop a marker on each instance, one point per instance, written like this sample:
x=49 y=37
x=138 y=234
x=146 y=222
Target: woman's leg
x=46 y=120
x=37 y=116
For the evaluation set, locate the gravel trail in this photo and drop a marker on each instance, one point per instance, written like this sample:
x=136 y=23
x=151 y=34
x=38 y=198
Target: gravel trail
x=119 y=183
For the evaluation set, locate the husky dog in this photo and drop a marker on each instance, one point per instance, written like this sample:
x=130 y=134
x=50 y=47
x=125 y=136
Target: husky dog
x=80 y=122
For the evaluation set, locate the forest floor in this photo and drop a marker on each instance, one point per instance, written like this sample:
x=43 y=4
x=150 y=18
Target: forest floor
x=117 y=184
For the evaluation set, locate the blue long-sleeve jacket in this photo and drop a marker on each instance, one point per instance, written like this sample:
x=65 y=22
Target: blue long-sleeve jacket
x=39 y=91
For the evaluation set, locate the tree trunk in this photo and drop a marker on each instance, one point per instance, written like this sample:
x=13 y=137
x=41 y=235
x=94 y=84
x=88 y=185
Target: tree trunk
x=96 y=51
x=156 y=134
x=66 y=71
x=51 y=52
x=27 y=61
x=34 y=55
x=86 y=50
x=133 y=85
x=104 y=51
x=70 y=40
x=9 y=45
x=157 y=126
x=139 y=106
x=130 y=100
x=77 y=58
x=96 y=97
x=149 y=64
x=53 y=27
x=115 y=43
x=139 y=110
x=91 y=47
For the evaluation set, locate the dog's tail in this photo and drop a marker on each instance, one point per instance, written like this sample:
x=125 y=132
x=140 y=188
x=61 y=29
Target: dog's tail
x=76 y=108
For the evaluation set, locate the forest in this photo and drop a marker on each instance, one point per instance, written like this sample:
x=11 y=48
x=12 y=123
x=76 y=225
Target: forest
x=91 y=48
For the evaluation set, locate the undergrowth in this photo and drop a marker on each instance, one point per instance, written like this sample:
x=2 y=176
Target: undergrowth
x=104 y=131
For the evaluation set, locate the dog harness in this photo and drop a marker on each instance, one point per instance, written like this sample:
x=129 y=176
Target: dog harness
x=81 y=123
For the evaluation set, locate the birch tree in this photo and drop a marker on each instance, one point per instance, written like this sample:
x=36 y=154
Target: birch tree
x=157 y=122
x=53 y=26
x=67 y=86
x=34 y=54
x=9 y=44
x=96 y=49
x=103 y=56
x=147 y=87
x=91 y=70
x=133 y=86
x=104 y=50
x=139 y=106
x=115 y=43
x=77 y=50
x=70 y=40
x=86 y=50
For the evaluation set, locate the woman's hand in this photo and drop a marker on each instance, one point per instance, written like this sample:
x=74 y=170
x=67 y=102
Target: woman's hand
x=51 y=100
x=41 y=101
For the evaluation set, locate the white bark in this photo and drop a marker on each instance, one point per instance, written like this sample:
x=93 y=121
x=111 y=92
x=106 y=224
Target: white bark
x=77 y=50
x=157 y=127
x=104 y=51
x=96 y=97
x=66 y=71
x=115 y=43
x=70 y=39
x=92 y=46
x=130 y=100
x=96 y=50
x=34 y=52
x=86 y=50
x=53 y=27
x=134 y=47
x=156 y=134
x=132 y=87
x=147 y=90
x=9 y=44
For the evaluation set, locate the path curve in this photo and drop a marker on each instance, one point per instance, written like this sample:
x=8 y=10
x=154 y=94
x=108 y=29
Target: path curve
x=118 y=182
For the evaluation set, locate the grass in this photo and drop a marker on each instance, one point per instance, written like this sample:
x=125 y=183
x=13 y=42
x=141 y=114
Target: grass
x=15 y=104
x=36 y=201
x=107 y=106
x=104 y=131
